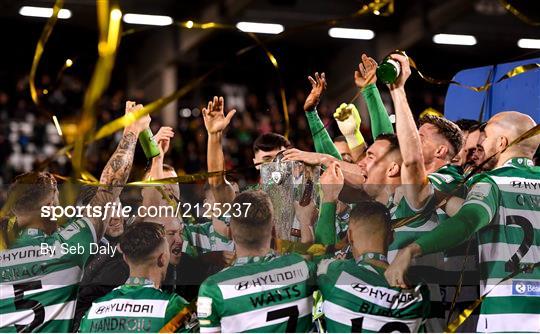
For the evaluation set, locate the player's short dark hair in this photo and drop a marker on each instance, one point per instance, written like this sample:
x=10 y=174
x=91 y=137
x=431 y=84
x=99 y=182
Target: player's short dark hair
x=270 y=141
x=29 y=190
x=140 y=240
x=373 y=213
x=467 y=124
x=480 y=126
x=448 y=129
x=253 y=227
x=391 y=138
x=340 y=139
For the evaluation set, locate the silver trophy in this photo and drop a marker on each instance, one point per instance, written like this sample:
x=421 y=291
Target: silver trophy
x=286 y=182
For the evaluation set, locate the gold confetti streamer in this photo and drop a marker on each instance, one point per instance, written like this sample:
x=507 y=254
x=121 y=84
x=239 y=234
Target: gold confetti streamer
x=45 y=34
x=518 y=13
x=109 y=27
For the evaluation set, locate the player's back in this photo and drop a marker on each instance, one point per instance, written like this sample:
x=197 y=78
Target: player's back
x=136 y=308
x=510 y=196
x=259 y=294
x=357 y=298
x=39 y=278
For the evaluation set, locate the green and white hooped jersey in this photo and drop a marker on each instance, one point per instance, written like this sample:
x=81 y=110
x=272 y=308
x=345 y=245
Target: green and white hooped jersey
x=434 y=268
x=510 y=198
x=135 y=307
x=202 y=238
x=40 y=276
x=357 y=298
x=259 y=294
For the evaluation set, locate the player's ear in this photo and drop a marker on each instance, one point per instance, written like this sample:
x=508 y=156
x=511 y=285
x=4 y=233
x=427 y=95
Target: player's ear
x=441 y=151
x=394 y=170
x=350 y=237
x=502 y=142
x=161 y=260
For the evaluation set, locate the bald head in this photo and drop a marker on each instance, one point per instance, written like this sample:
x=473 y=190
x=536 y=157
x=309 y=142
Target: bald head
x=513 y=124
x=505 y=127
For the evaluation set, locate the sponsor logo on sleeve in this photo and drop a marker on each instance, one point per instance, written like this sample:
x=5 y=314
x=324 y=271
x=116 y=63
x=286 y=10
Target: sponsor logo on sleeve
x=204 y=307
x=479 y=191
x=70 y=231
x=525 y=288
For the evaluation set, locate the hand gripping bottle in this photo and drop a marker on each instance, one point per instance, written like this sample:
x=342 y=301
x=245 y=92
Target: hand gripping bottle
x=148 y=144
x=388 y=70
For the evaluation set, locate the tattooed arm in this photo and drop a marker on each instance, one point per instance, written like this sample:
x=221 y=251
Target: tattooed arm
x=116 y=172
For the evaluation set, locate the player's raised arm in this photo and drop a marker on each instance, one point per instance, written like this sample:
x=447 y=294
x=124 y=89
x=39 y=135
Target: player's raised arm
x=151 y=196
x=116 y=172
x=413 y=172
x=352 y=172
x=365 y=79
x=215 y=122
x=321 y=139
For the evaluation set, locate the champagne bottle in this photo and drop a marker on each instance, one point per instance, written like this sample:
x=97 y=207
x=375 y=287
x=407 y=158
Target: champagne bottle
x=388 y=70
x=148 y=144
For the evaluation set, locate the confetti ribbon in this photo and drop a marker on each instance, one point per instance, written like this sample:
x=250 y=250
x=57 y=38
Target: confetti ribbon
x=109 y=38
x=465 y=314
x=518 y=13
x=45 y=34
x=518 y=70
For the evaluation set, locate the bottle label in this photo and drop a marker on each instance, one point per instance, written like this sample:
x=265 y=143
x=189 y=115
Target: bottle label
x=396 y=64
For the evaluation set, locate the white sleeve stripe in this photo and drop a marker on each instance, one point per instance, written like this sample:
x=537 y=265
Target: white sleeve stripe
x=91 y=227
x=482 y=204
x=209 y=329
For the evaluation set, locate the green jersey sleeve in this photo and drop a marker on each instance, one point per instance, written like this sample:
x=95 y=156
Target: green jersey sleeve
x=79 y=235
x=321 y=139
x=446 y=179
x=477 y=211
x=484 y=197
x=209 y=305
x=325 y=229
x=176 y=317
x=325 y=281
x=380 y=122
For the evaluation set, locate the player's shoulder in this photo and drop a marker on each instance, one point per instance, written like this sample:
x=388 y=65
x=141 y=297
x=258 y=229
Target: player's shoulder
x=447 y=175
x=74 y=227
x=333 y=266
x=484 y=177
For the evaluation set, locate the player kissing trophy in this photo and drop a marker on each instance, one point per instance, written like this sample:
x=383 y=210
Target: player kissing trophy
x=286 y=182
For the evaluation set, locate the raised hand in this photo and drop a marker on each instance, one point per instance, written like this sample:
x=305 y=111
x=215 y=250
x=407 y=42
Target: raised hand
x=395 y=274
x=163 y=139
x=331 y=182
x=140 y=124
x=348 y=119
x=214 y=117
x=405 y=71
x=318 y=86
x=366 y=73
x=310 y=158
